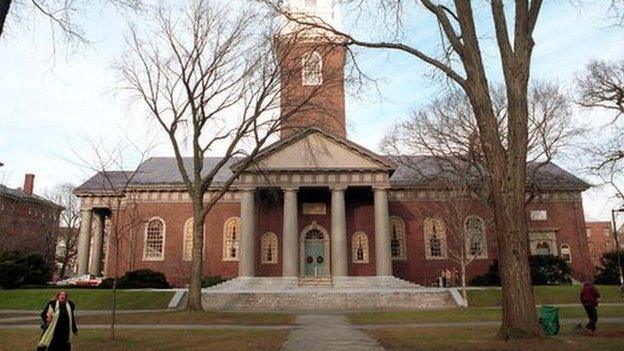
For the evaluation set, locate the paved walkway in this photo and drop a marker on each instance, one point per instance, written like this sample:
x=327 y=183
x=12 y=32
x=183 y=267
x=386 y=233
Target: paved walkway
x=328 y=332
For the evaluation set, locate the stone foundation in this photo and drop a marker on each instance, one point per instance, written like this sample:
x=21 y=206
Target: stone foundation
x=344 y=293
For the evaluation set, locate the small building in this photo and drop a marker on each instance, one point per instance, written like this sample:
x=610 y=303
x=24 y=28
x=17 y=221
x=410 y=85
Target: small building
x=600 y=240
x=28 y=222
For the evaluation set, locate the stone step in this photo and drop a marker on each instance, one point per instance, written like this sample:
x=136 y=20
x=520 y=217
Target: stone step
x=315 y=282
x=311 y=299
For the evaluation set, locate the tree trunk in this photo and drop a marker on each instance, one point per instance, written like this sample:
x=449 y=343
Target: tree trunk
x=194 y=293
x=5 y=5
x=463 y=283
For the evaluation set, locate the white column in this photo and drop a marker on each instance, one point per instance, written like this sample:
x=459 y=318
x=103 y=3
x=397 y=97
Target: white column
x=247 y=258
x=290 y=239
x=338 y=232
x=95 y=267
x=383 y=257
x=84 y=242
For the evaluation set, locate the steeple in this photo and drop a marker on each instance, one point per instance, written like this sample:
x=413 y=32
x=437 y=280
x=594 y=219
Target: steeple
x=323 y=12
x=312 y=68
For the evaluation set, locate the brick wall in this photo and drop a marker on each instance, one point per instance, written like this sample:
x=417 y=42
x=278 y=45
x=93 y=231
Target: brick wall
x=564 y=217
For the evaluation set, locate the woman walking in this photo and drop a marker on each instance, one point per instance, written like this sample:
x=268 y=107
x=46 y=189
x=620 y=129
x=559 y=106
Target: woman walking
x=58 y=323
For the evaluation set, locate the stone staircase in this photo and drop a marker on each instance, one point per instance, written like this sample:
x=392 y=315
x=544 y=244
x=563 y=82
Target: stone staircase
x=324 y=293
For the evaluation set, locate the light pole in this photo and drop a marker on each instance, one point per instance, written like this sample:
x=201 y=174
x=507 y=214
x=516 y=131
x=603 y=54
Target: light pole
x=618 y=249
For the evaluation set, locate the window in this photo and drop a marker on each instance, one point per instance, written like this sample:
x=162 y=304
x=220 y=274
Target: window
x=539 y=215
x=475 y=236
x=542 y=248
x=231 y=239
x=435 y=246
x=607 y=232
x=312 y=68
x=397 y=241
x=435 y=238
x=359 y=248
x=543 y=242
x=154 y=249
x=187 y=242
x=269 y=248
x=566 y=254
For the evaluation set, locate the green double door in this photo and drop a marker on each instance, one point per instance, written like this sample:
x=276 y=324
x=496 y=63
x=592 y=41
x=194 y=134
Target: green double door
x=315 y=259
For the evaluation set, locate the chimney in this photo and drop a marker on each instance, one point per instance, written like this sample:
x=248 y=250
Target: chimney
x=29 y=183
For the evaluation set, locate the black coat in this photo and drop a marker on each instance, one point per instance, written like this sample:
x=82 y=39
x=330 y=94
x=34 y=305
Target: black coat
x=51 y=304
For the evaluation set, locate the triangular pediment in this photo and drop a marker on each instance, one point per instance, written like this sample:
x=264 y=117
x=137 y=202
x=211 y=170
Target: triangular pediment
x=315 y=149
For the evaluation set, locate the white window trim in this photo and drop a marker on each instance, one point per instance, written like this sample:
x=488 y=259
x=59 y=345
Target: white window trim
x=164 y=240
x=484 y=246
x=303 y=68
x=275 y=253
x=366 y=247
x=403 y=255
x=184 y=239
x=427 y=238
x=566 y=246
x=227 y=257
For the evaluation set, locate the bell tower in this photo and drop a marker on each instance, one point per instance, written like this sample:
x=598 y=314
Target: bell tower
x=312 y=64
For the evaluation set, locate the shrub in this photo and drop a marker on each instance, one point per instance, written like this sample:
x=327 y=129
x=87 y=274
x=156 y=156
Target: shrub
x=545 y=270
x=489 y=278
x=139 y=279
x=212 y=281
x=609 y=272
x=550 y=270
x=17 y=269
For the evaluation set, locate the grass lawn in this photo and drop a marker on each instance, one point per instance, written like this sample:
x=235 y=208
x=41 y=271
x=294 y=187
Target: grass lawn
x=465 y=314
x=608 y=338
x=85 y=299
x=544 y=295
x=184 y=317
x=153 y=340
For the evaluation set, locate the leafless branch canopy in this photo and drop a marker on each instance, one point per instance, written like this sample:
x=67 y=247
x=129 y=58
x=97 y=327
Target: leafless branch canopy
x=447 y=129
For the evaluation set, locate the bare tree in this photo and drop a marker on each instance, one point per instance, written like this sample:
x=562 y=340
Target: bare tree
x=465 y=238
x=116 y=195
x=601 y=87
x=60 y=13
x=67 y=237
x=461 y=62
x=210 y=76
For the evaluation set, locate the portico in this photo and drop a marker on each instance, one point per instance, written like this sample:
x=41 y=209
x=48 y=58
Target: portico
x=316 y=162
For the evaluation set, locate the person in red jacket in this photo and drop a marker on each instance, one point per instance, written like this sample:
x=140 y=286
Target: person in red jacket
x=589 y=299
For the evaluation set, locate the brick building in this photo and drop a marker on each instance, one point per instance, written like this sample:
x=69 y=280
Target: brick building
x=315 y=204
x=28 y=222
x=600 y=240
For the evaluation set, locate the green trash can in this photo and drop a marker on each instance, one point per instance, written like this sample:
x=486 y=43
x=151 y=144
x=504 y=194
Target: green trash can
x=549 y=319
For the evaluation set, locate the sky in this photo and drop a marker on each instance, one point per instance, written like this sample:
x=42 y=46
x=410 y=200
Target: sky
x=54 y=98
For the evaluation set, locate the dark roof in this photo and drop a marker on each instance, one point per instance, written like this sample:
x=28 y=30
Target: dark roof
x=155 y=171
x=20 y=195
x=420 y=172
x=429 y=172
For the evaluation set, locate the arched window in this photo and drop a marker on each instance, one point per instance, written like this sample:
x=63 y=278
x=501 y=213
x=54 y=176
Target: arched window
x=397 y=238
x=154 y=246
x=231 y=239
x=542 y=248
x=187 y=242
x=359 y=247
x=312 y=69
x=435 y=238
x=475 y=236
x=566 y=253
x=269 y=248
